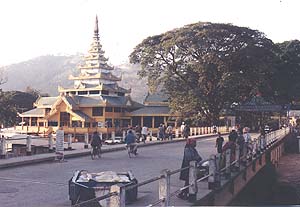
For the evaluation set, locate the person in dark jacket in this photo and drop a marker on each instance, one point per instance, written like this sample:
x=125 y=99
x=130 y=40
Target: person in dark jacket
x=130 y=141
x=219 y=143
x=186 y=131
x=190 y=154
x=96 y=140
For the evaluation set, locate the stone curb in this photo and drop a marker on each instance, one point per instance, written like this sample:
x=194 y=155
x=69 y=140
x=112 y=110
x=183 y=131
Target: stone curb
x=36 y=160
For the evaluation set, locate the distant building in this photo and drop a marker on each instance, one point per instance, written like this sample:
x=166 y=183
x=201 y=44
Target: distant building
x=155 y=111
x=96 y=102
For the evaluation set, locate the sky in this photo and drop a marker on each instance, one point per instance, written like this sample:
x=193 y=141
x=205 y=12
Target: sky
x=32 y=28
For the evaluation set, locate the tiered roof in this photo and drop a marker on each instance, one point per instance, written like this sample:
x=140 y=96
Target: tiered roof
x=95 y=72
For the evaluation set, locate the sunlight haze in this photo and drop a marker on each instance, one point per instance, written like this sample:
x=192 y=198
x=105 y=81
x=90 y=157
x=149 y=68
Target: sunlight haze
x=34 y=28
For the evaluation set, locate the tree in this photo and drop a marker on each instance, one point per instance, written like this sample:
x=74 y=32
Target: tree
x=205 y=67
x=286 y=79
x=12 y=102
x=8 y=112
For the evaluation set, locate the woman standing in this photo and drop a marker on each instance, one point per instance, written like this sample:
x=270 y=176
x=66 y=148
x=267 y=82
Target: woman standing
x=190 y=154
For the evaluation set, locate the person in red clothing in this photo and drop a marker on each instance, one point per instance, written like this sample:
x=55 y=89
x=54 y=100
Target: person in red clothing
x=230 y=145
x=190 y=154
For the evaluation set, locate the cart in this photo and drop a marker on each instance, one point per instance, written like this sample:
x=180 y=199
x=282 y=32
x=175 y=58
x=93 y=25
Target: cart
x=85 y=186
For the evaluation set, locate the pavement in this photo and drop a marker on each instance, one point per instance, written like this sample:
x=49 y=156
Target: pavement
x=79 y=151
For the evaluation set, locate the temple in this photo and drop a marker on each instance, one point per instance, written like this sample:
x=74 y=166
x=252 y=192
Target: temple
x=95 y=103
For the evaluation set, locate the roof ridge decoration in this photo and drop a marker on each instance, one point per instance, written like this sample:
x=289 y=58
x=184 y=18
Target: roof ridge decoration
x=96 y=52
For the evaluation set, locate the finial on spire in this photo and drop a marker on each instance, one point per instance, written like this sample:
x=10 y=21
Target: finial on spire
x=96 y=30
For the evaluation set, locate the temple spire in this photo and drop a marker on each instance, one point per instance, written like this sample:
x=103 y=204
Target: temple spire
x=96 y=30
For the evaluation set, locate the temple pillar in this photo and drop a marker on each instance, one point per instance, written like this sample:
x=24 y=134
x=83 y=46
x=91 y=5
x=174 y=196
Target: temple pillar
x=22 y=123
x=152 y=122
x=142 y=121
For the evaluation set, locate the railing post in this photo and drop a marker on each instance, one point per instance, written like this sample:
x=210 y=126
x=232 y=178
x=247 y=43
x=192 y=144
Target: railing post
x=150 y=134
x=267 y=140
x=119 y=199
x=86 y=141
x=28 y=145
x=50 y=142
x=101 y=136
x=3 y=148
x=227 y=163
x=214 y=176
x=193 y=189
x=255 y=147
x=263 y=142
x=191 y=131
x=69 y=141
x=164 y=188
x=113 y=136
x=123 y=135
x=237 y=157
x=176 y=133
x=298 y=137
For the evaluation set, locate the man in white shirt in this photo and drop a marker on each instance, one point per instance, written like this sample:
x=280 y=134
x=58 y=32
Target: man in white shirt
x=182 y=128
x=144 y=133
x=169 y=132
x=248 y=141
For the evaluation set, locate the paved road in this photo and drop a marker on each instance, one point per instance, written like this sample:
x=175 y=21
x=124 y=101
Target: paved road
x=46 y=184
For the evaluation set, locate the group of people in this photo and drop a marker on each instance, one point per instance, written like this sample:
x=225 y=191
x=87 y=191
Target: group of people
x=139 y=132
x=236 y=138
x=185 y=130
x=130 y=141
x=165 y=133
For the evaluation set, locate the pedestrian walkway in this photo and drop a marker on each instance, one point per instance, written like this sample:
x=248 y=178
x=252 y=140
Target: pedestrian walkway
x=78 y=151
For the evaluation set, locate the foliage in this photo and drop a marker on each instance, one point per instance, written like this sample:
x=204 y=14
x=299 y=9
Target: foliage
x=286 y=80
x=11 y=103
x=205 y=67
x=8 y=112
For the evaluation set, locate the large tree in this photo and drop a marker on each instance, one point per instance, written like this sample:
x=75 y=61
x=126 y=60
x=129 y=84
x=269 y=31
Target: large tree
x=286 y=79
x=205 y=67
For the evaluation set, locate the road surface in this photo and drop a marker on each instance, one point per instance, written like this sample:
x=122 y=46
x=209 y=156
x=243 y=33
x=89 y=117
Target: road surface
x=46 y=184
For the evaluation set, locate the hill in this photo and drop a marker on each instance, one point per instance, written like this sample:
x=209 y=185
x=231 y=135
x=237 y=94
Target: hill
x=46 y=73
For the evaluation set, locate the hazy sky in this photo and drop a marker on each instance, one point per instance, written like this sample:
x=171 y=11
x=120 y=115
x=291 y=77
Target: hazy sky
x=31 y=28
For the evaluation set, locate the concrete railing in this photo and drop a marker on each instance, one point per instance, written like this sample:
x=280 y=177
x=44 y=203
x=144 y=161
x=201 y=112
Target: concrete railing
x=220 y=166
x=49 y=140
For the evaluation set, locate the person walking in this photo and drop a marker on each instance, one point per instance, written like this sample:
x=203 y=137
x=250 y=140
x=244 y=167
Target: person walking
x=161 y=132
x=138 y=133
x=186 y=131
x=248 y=142
x=219 y=143
x=190 y=154
x=182 y=128
x=241 y=143
x=169 y=132
x=144 y=133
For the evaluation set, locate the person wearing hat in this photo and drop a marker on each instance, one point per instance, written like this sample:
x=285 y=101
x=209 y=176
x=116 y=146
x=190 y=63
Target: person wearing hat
x=190 y=154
